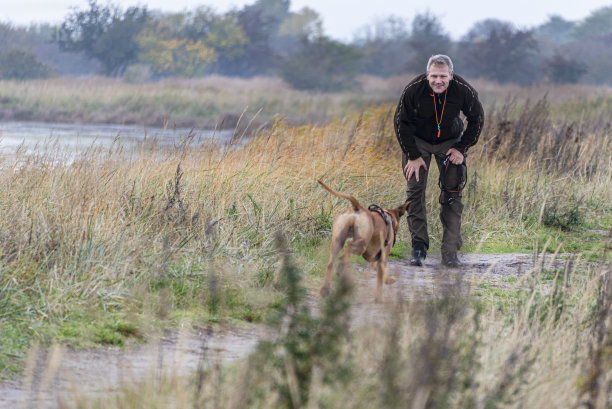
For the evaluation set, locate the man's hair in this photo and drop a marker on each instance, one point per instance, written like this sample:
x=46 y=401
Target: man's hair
x=440 y=59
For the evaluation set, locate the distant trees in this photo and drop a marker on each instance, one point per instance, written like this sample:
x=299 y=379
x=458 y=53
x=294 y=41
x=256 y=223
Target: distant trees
x=34 y=40
x=21 y=64
x=597 y=24
x=384 y=46
x=321 y=64
x=390 y=49
x=426 y=39
x=104 y=33
x=556 y=30
x=306 y=23
x=496 y=50
x=222 y=34
x=564 y=70
x=260 y=23
x=267 y=38
x=168 y=49
x=592 y=46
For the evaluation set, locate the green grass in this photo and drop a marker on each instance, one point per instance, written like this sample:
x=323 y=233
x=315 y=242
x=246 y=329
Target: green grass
x=489 y=292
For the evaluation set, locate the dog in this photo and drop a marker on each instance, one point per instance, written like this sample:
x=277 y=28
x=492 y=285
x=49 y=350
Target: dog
x=372 y=232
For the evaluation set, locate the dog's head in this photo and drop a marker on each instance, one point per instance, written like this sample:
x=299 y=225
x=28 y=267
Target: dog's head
x=398 y=212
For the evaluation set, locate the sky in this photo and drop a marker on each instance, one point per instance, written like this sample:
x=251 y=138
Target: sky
x=341 y=18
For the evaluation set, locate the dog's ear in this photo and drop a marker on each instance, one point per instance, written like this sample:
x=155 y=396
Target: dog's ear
x=400 y=210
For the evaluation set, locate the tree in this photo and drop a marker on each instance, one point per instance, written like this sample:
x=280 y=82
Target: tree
x=596 y=55
x=597 y=24
x=104 y=33
x=34 y=40
x=384 y=46
x=260 y=23
x=564 y=70
x=21 y=65
x=426 y=39
x=496 y=50
x=306 y=23
x=322 y=64
x=221 y=33
x=259 y=56
x=555 y=30
x=167 y=51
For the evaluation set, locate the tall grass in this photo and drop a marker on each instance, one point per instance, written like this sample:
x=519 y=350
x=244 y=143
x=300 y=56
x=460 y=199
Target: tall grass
x=219 y=101
x=110 y=248
x=209 y=102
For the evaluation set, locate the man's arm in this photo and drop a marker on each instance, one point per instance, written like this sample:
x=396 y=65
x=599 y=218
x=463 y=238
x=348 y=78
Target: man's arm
x=404 y=122
x=472 y=109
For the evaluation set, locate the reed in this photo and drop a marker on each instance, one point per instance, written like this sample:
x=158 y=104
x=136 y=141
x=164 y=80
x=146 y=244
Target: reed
x=219 y=101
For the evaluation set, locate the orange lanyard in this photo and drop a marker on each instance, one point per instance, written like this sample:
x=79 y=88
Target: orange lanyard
x=436 y=109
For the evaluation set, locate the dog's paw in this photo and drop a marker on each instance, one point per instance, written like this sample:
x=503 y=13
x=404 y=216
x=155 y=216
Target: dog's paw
x=390 y=280
x=325 y=291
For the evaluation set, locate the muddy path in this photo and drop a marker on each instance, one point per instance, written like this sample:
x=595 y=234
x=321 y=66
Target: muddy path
x=61 y=373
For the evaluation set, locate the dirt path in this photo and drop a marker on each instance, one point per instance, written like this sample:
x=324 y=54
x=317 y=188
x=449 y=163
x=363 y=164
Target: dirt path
x=61 y=373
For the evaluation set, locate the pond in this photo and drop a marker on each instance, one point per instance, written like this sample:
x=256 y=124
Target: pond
x=28 y=137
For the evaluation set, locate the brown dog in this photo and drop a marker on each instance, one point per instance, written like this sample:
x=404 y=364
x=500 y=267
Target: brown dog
x=372 y=234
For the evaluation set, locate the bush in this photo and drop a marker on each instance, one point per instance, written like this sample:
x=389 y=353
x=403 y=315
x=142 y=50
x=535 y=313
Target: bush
x=137 y=74
x=565 y=216
x=21 y=65
x=322 y=64
x=564 y=70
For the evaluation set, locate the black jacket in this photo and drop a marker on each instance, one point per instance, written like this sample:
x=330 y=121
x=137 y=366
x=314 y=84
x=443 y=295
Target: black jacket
x=415 y=116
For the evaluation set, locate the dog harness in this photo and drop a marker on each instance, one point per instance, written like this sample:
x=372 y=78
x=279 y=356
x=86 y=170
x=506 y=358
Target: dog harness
x=451 y=193
x=386 y=216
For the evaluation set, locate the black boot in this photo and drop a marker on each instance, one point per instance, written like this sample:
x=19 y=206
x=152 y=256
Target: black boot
x=450 y=260
x=418 y=254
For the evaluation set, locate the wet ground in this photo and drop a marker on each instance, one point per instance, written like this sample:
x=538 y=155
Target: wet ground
x=61 y=373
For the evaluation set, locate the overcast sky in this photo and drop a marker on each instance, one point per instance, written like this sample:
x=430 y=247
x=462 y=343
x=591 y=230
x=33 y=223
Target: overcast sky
x=341 y=18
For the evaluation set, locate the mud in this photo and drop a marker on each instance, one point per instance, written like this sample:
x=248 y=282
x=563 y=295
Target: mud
x=62 y=373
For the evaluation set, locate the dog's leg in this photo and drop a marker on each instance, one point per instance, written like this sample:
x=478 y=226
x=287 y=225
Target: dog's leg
x=380 y=279
x=344 y=259
x=382 y=275
x=336 y=245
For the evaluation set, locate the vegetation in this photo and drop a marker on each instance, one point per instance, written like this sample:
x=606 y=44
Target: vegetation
x=21 y=65
x=321 y=64
x=104 y=33
x=104 y=250
x=115 y=247
x=222 y=103
x=451 y=351
x=266 y=38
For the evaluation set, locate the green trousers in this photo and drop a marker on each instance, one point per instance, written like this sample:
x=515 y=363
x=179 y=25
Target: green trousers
x=450 y=214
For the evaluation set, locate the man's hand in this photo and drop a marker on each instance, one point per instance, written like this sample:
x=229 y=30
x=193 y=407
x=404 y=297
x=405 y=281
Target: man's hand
x=456 y=157
x=413 y=167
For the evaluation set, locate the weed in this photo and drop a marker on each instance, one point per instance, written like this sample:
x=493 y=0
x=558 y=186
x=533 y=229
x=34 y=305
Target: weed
x=564 y=219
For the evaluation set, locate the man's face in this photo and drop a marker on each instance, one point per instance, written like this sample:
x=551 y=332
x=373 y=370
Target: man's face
x=439 y=77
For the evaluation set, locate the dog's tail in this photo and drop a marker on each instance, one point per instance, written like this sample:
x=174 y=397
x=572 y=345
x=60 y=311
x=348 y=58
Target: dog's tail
x=351 y=198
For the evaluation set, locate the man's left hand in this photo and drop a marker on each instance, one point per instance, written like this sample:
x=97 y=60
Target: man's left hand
x=456 y=157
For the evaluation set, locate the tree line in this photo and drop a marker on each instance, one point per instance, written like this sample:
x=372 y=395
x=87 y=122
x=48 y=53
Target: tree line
x=266 y=38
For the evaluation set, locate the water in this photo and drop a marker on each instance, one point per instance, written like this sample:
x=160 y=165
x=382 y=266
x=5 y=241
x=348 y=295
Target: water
x=28 y=137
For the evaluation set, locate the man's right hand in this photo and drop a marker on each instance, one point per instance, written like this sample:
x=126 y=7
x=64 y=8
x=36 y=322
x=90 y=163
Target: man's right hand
x=413 y=167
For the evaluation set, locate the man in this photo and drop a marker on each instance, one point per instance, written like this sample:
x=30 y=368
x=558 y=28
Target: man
x=427 y=123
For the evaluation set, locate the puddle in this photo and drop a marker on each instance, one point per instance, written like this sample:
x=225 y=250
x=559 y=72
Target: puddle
x=98 y=372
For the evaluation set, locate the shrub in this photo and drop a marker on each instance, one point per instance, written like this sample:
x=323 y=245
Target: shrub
x=21 y=64
x=322 y=64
